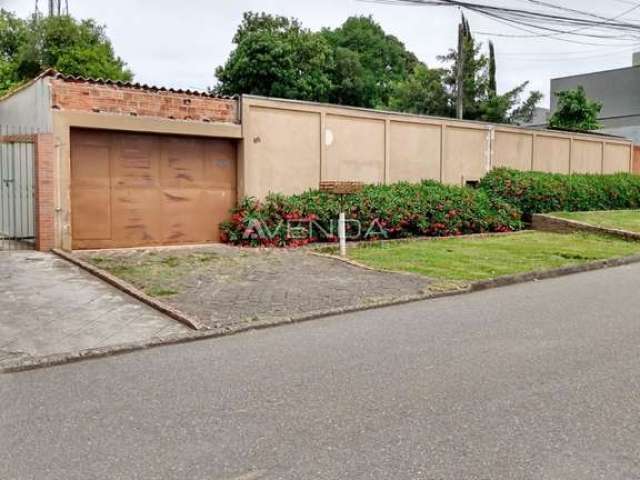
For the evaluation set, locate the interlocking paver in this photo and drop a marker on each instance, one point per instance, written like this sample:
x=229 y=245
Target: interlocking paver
x=243 y=284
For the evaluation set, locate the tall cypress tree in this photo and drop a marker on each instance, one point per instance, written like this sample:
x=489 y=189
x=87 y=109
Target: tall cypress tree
x=493 y=88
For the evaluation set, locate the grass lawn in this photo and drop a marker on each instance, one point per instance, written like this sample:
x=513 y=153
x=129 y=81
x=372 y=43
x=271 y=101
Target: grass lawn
x=157 y=274
x=622 y=219
x=489 y=257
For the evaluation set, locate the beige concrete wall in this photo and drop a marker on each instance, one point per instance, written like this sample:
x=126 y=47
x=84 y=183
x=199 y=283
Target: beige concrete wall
x=466 y=154
x=617 y=158
x=586 y=156
x=287 y=162
x=414 y=151
x=513 y=149
x=355 y=148
x=552 y=153
x=290 y=146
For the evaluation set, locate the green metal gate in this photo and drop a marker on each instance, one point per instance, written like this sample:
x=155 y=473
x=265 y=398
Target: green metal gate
x=17 y=195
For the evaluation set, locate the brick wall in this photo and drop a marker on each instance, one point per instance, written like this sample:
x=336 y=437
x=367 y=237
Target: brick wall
x=45 y=196
x=96 y=97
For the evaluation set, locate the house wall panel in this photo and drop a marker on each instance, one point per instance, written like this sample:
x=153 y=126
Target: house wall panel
x=586 y=157
x=306 y=142
x=28 y=109
x=552 y=154
x=355 y=149
x=415 y=151
x=281 y=151
x=466 y=155
x=513 y=150
x=617 y=158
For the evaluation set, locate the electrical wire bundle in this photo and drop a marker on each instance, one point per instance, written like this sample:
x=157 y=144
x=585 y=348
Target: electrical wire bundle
x=545 y=19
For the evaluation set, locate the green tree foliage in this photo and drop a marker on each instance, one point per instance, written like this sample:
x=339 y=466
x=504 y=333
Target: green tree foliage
x=359 y=64
x=368 y=63
x=524 y=112
x=421 y=92
x=275 y=56
x=475 y=84
x=481 y=100
x=493 y=85
x=575 y=111
x=349 y=79
x=356 y=64
x=13 y=35
x=74 y=47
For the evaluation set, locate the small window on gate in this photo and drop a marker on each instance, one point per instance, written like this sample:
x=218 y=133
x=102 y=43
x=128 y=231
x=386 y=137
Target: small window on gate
x=472 y=183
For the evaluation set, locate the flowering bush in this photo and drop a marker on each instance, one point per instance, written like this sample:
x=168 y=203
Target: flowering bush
x=378 y=211
x=537 y=192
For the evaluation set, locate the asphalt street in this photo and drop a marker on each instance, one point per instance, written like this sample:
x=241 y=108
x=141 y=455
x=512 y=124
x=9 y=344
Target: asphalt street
x=535 y=381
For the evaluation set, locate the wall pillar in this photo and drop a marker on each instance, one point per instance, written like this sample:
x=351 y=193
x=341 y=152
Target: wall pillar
x=44 y=192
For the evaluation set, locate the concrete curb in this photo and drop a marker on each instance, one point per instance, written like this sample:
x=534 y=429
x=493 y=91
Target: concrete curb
x=550 y=223
x=132 y=291
x=112 y=350
x=64 y=358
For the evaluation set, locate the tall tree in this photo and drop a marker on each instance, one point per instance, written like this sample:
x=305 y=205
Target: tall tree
x=421 y=92
x=275 y=56
x=473 y=75
x=359 y=64
x=493 y=85
x=368 y=63
x=13 y=35
x=355 y=64
x=74 y=47
x=524 y=112
x=575 y=111
x=467 y=74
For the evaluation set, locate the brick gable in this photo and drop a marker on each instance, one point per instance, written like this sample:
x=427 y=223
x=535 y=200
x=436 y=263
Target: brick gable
x=93 y=96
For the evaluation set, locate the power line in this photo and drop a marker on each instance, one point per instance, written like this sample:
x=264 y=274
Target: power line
x=546 y=22
x=573 y=32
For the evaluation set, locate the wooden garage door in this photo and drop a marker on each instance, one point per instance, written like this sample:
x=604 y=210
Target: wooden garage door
x=132 y=189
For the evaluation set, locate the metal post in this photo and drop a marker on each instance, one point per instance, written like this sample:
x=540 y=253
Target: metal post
x=342 y=234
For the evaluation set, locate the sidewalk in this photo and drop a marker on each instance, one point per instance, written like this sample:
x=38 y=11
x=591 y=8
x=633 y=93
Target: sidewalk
x=50 y=306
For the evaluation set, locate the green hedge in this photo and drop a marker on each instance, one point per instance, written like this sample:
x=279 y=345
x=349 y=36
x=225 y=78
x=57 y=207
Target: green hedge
x=382 y=211
x=537 y=192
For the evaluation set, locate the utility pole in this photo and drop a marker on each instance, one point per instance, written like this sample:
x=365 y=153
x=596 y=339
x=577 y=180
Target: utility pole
x=460 y=71
x=55 y=8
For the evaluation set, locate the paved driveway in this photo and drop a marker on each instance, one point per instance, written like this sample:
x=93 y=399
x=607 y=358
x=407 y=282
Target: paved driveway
x=48 y=305
x=241 y=286
x=537 y=381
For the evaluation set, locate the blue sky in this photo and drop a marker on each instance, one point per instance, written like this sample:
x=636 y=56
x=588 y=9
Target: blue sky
x=180 y=43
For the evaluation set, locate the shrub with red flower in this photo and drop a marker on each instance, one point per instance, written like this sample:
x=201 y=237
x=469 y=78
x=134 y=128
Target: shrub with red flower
x=378 y=211
x=538 y=192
